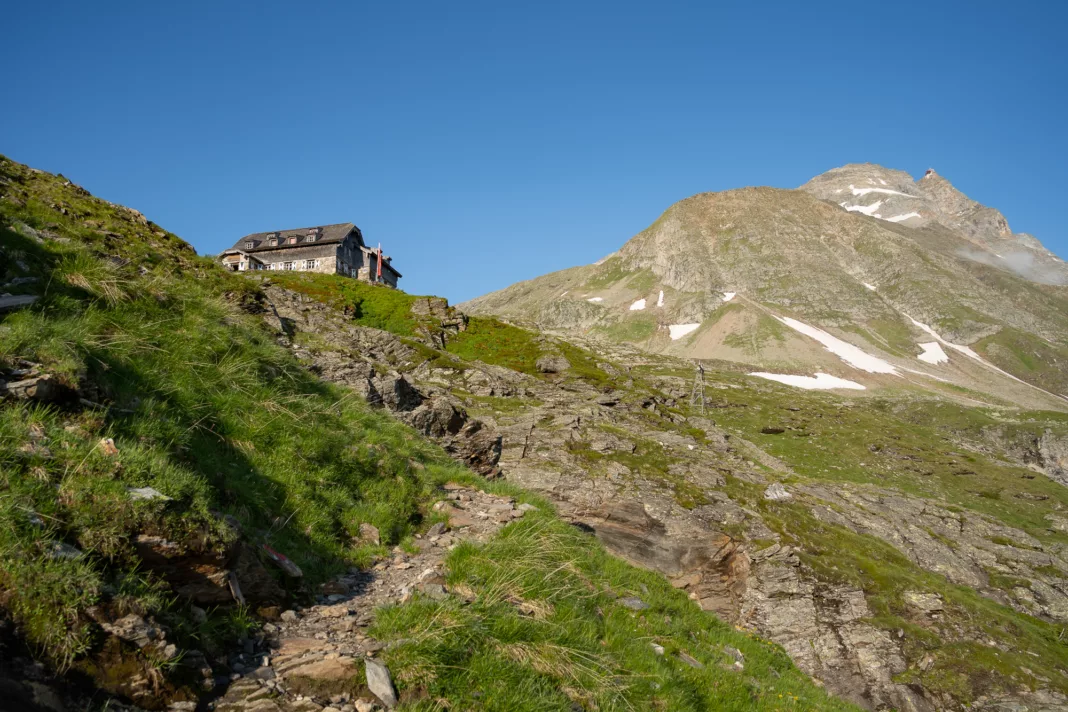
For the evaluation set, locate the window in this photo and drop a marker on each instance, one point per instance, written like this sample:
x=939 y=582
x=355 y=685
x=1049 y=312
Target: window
x=311 y=237
x=249 y=245
x=292 y=240
x=272 y=242
x=311 y=264
x=287 y=265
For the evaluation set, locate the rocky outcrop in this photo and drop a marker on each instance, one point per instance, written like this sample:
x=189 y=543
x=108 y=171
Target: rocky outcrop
x=30 y=382
x=1046 y=451
x=210 y=577
x=361 y=358
x=437 y=320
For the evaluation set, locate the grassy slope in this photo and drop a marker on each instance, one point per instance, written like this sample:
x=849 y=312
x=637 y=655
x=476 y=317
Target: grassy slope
x=206 y=408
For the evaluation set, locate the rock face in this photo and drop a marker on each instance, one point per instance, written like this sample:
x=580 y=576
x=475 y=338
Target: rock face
x=1047 y=451
x=444 y=320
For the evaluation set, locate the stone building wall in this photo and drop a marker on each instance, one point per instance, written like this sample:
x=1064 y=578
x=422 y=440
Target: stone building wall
x=324 y=258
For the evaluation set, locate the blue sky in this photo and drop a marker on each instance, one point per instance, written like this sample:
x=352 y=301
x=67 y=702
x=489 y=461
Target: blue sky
x=485 y=143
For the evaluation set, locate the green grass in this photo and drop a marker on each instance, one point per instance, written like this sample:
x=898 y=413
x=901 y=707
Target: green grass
x=368 y=304
x=544 y=630
x=494 y=342
x=630 y=328
x=1028 y=357
x=201 y=404
x=643 y=281
x=608 y=273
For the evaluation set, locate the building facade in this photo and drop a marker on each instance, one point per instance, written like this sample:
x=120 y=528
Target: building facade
x=326 y=249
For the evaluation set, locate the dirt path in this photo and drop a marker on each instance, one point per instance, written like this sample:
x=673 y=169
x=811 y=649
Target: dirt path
x=313 y=659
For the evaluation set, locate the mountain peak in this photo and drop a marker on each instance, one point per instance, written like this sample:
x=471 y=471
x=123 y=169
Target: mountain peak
x=893 y=196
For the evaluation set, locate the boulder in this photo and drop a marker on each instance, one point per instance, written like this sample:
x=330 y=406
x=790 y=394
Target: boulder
x=776 y=492
x=380 y=682
x=552 y=363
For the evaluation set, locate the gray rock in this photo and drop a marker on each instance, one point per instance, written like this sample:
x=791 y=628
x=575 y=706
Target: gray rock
x=10 y=303
x=552 y=363
x=776 y=492
x=380 y=682
x=146 y=494
x=926 y=602
x=61 y=550
x=633 y=603
x=369 y=534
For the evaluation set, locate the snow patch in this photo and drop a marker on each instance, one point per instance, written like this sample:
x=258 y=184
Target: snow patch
x=887 y=191
x=595 y=299
x=866 y=209
x=971 y=354
x=727 y=296
x=844 y=350
x=899 y=218
x=564 y=294
x=869 y=286
x=882 y=181
x=957 y=347
x=821 y=381
x=638 y=305
x=933 y=353
x=680 y=330
x=660 y=299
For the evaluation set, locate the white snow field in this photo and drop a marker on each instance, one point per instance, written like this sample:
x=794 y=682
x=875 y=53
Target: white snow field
x=899 y=218
x=849 y=353
x=933 y=353
x=638 y=305
x=680 y=330
x=866 y=209
x=821 y=381
x=865 y=191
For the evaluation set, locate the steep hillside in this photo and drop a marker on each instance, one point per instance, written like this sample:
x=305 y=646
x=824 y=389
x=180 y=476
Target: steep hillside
x=747 y=275
x=182 y=497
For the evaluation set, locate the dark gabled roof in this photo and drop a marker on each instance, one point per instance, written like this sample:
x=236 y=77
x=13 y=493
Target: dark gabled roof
x=323 y=234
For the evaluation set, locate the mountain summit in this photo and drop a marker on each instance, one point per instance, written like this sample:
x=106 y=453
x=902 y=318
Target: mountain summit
x=910 y=273
x=894 y=197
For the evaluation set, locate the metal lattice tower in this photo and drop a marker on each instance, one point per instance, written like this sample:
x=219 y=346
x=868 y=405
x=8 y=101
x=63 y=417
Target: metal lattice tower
x=697 y=395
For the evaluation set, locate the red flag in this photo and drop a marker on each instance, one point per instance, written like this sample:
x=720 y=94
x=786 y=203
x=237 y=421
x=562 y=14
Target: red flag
x=380 y=260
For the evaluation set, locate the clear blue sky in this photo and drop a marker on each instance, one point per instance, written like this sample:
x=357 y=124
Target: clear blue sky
x=484 y=143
